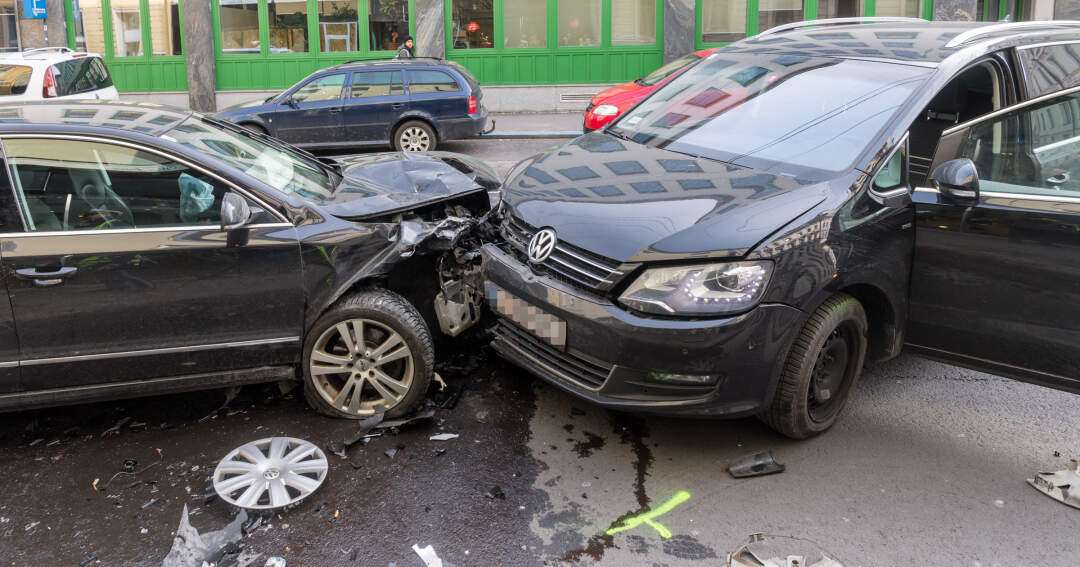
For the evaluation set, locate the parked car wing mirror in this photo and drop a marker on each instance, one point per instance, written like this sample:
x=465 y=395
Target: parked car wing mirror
x=235 y=211
x=957 y=179
x=291 y=102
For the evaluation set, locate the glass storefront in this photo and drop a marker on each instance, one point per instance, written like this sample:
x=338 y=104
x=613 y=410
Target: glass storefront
x=524 y=23
x=165 y=28
x=388 y=22
x=239 y=26
x=905 y=8
x=127 y=28
x=633 y=22
x=472 y=24
x=839 y=8
x=288 y=26
x=579 y=23
x=339 y=26
x=723 y=21
x=9 y=26
x=772 y=13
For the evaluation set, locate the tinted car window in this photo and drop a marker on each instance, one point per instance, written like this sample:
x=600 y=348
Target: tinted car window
x=13 y=79
x=803 y=119
x=376 y=83
x=429 y=81
x=77 y=185
x=81 y=75
x=1051 y=68
x=666 y=71
x=320 y=89
x=1034 y=150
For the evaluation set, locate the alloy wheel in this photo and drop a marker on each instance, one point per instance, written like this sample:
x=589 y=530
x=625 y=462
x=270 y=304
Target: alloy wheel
x=361 y=366
x=414 y=139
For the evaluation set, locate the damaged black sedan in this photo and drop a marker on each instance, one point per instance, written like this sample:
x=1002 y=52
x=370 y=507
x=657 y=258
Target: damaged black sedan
x=148 y=250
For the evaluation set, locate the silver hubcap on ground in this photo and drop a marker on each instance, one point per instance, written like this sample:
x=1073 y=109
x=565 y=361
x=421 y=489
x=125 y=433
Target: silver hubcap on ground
x=270 y=473
x=359 y=364
x=414 y=139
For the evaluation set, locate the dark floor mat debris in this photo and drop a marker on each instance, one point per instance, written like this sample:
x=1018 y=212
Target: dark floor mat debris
x=755 y=464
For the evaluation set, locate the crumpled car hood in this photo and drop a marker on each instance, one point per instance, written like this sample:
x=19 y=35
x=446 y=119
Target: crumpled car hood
x=633 y=203
x=379 y=184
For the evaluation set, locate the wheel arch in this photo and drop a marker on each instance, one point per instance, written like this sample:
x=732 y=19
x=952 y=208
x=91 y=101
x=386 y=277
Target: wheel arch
x=431 y=122
x=884 y=322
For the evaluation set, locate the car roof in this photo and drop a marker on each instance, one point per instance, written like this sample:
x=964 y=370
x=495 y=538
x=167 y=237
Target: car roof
x=90 y=117
x=43 y=54
x=414 y=62
x=902 y=40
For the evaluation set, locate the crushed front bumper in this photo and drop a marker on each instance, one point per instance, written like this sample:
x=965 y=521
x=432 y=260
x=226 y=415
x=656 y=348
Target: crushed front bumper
x=595 y=349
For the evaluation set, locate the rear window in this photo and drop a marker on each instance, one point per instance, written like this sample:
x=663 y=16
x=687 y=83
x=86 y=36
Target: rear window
x=13 y=79
x=469 y=78
x=427 y=81
x=80 y=75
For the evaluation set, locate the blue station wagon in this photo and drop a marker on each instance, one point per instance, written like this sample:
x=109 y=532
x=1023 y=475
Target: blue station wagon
x=411 y=104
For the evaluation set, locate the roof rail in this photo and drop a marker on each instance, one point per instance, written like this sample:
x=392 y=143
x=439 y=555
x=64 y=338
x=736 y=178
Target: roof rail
x=983 y=31
x=837 y=22
x=57 y=48
x=390 y=59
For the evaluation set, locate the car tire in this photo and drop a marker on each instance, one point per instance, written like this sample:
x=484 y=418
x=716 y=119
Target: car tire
x=415 y=136
x=332 y=368
x=823 y=365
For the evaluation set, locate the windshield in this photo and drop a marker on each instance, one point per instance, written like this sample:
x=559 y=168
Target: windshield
x=667 y=70
x=790 y=115
x=284 y=170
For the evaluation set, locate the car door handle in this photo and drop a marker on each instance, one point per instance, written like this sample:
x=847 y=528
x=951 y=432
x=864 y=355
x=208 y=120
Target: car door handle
x=397 y=106
x=335 y=110
x=43 y=278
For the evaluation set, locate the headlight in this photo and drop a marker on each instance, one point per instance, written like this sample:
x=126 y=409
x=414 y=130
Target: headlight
x=606 y=110
x=704 y=290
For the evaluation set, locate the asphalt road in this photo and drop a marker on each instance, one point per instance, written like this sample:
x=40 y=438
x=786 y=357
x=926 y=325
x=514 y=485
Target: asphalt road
x=926 y=467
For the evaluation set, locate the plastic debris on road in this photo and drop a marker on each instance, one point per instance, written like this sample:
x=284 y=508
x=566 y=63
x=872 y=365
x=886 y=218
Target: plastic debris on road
x=755 y=464
x=275 y=562
x=444 y=437
x=777 y=551
x=192 y=548
x=428 y=555
x=1059 y=485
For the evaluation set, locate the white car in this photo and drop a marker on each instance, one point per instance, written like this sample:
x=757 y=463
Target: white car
x=54 y=73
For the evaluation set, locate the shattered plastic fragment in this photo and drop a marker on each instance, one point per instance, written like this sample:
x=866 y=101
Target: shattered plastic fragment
x=275 y=562
x=191 y=548
x=444 y=437
x=1063 y=485
x=428 y=555
x=776 y=551
x=755 y=464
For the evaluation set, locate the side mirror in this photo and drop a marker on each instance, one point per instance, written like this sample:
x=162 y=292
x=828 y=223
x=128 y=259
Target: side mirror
x=235 y=211
x=291 y=102
x=958 y=180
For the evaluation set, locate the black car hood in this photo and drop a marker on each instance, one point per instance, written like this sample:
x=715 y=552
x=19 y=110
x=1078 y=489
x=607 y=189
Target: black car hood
x=379 y=184
x=629 y=202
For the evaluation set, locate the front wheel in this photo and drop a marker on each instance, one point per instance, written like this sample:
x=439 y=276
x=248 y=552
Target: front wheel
x=414 y=136
x=824 y=363
x=370 y=354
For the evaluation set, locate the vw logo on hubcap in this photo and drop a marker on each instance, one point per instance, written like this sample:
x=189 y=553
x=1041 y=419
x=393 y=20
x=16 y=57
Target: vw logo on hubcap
x=542 y=245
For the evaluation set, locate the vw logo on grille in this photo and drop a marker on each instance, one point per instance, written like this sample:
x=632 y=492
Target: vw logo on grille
x=542 y=245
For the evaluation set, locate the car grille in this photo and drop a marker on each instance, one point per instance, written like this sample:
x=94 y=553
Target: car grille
x=569 y=264
x=584 y=372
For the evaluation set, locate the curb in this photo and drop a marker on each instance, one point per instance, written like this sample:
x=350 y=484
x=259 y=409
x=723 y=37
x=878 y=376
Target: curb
x=526 y=135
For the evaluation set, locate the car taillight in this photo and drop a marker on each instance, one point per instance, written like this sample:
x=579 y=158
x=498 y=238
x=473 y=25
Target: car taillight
x=472 y=104
x=48 y=86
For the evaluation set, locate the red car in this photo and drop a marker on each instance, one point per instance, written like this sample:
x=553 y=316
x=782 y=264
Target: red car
x=610 y=103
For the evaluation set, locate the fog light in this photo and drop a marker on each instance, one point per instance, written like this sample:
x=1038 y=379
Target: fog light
x=682 y=379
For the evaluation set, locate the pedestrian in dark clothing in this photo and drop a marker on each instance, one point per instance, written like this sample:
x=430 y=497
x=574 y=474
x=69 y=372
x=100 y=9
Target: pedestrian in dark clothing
x=406 y=49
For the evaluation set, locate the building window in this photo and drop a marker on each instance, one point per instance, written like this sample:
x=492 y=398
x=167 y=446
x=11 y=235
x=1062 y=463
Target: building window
x=1066 y=10
x=9 y=26
x=633 y=22
x=524 y=23
x=339 y=26
x=288 y=26
x=239 y=26
x=473 y=24
x=165 y=30
x=906 y=8
x=723 y=21
x=772 y=13
x=127 y=28
x=388 y=24
x=579 y=23
x=839 y=8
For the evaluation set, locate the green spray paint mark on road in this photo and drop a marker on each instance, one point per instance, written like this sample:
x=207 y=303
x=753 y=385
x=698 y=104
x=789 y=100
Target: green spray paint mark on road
x=648 y=517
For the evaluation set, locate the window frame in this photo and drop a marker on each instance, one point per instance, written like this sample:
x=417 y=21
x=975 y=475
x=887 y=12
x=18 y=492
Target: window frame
x=363 y=12
x=352 y=81
x=408 y=81
x=499 y=39
x=345 y=86
x=108 y=32
x=187 y=162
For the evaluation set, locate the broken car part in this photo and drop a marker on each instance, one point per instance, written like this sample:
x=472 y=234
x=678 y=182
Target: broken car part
x=776 y=551
x=428 y=556
x=270 y=473
x=755 y=464
x=1063 y=485
x=190 y=548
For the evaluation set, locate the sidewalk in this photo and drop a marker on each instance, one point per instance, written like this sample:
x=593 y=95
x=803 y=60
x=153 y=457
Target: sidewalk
x=546 y=125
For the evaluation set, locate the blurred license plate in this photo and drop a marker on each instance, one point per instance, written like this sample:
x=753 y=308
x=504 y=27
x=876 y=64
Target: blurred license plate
x=538 y=322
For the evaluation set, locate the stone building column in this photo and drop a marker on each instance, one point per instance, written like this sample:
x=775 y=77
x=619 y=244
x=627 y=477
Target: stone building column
x=31 y=30
x=678 y=28
x=56 y=24
x=430 y=40
x=199 y=51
